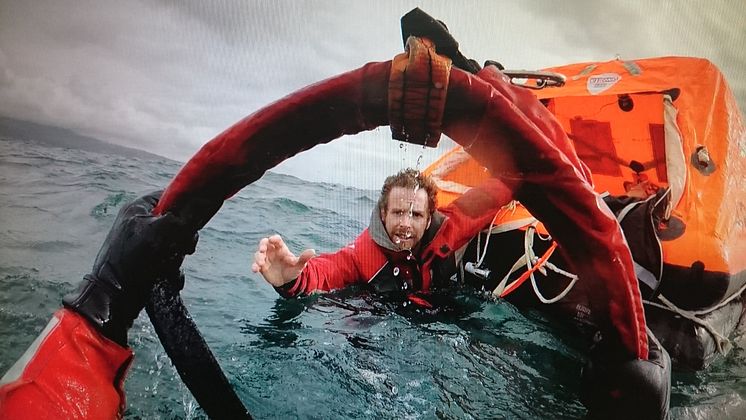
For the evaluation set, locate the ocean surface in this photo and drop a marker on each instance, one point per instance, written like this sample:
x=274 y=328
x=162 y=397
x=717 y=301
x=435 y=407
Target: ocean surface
x=333 y=356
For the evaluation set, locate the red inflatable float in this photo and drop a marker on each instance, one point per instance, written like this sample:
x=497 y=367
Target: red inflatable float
x=505 y=128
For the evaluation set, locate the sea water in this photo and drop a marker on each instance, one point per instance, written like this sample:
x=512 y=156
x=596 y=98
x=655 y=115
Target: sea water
x=340 y=355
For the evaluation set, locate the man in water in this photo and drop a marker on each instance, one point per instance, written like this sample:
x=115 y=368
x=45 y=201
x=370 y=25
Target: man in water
x=409 y=246
x=76 y=367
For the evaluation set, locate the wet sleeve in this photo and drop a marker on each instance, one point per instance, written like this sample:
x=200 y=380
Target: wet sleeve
x=473 y=211
x=324 y=273
x=70 y=371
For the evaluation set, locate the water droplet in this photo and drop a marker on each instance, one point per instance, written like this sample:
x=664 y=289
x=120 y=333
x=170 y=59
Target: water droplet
x=396 y=271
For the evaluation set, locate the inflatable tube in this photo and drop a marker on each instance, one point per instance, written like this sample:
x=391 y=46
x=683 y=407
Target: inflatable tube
x=533 y=163
x=190 y=354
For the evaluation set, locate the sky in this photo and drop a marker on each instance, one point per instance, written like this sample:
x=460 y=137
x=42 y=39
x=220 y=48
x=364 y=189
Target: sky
x=168 y=76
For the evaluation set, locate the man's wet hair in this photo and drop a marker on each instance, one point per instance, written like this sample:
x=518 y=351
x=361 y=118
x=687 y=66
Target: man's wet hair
x=411 y=179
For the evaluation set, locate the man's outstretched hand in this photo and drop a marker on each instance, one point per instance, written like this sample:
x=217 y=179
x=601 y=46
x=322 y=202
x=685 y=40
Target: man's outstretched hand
x=276 y=263
x=139 y=249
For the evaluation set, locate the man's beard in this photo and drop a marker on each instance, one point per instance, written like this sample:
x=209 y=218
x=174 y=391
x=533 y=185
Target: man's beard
x=403 y=239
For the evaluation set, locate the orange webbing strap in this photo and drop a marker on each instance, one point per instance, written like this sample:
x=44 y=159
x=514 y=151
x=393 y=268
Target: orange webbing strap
x=417 y=92
x=528 y=273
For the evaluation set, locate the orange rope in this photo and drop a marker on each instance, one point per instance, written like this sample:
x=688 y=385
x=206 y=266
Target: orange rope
x=528 y=273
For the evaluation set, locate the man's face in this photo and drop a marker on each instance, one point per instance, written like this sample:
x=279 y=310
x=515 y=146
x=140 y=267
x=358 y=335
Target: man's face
x=406 y=216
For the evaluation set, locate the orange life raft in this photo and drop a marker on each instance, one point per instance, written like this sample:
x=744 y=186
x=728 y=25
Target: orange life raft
x=655 y=127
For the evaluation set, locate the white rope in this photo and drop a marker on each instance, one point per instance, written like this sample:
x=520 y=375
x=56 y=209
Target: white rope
x=722 y=344
x=503 y=227
x=527 y=259
x=562 y=294
x=480 y=260
x=532 y=258
x=521 y=262
x=479 y=244
x=561 y=271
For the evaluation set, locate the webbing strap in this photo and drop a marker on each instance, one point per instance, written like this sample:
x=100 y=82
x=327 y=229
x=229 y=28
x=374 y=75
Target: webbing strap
x=417 y=93
x=539 y=264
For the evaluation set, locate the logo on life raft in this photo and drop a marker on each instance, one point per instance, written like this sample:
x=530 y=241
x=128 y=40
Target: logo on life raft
x=601 y=82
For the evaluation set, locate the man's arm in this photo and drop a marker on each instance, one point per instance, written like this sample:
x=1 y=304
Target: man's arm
x=294 y=275
x=76 y=367
x=473 y=211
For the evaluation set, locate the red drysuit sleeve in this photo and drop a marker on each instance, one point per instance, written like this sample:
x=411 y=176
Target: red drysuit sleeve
x=331 y=271
x=470 y=213
x=71 y=371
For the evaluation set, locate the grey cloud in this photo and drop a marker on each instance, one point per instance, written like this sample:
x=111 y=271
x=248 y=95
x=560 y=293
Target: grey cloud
x=168 y=76
x=636 y=29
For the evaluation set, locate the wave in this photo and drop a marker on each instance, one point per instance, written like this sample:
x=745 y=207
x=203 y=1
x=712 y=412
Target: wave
x=111 y=204
x=290 y=205
x=45 y=246
x=56 y=206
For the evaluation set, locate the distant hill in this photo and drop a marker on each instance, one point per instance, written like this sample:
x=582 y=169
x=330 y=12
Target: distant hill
x=62 y=137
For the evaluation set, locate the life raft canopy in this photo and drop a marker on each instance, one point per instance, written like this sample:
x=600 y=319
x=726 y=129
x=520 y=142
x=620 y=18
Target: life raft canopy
x=643 y=127
x=691 y=138
x=667 y=122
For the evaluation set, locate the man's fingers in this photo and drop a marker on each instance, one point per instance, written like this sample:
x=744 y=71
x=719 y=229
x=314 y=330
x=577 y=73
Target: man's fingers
x=260 y=261
x=278 y=244
x=278 y=251
x=305 y=256
x=277 y=264
x=260 y=256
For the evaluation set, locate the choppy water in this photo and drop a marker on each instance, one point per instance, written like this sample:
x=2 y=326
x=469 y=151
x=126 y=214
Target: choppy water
x=335 y=356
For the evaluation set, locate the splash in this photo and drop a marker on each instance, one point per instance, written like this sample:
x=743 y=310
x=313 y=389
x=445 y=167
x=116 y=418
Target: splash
x=415 y=190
